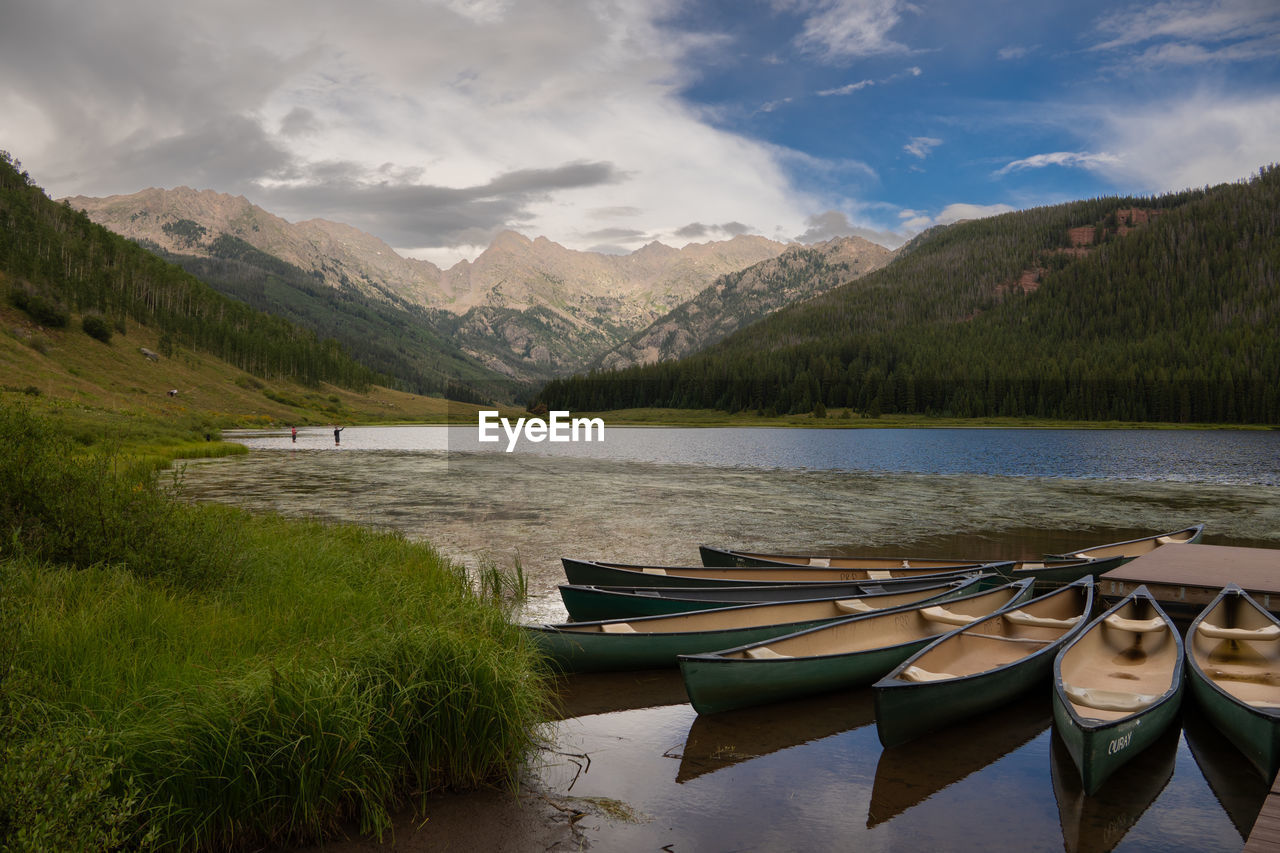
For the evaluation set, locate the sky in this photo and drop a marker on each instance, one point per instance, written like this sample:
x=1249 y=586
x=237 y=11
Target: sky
x=607 y=124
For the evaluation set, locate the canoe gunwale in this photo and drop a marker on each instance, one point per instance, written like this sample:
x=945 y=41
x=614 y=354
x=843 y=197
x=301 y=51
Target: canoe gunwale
x=1197 y=532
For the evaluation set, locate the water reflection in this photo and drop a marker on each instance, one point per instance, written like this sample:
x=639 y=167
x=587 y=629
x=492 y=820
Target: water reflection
x=1240 y=792
x=717 y=741
x=908 y=775
x=1097 y=824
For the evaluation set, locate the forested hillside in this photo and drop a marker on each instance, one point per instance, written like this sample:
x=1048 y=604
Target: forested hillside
x=1142 y=309
x=58 y=262
x=389 y=334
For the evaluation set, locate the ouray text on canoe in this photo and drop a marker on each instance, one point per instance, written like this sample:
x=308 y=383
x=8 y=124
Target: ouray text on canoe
x=558 y=426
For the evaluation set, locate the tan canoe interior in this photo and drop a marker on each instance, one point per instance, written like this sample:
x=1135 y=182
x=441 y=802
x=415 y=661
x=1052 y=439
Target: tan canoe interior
x=1121 y=665
x=1002 y=639
x=746 y=617
x=861 y=562
x=1238 y=647
x=886 y=570
x=885 y=629
x=1139 y=547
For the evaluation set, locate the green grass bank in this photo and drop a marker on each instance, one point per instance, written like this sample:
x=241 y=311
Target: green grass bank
x=192 y=677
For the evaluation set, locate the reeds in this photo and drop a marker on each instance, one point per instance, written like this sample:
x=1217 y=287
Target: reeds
x=302 y=676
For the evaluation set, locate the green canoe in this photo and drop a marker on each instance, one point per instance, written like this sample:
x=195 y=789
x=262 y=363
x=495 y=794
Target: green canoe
x=980 y=666
x=1056 y=572
x=724 y=558
x=1117 y=685
x=1233 y=657
x=850 y=653
x=1131 y=548
x=655 y=641
x=593 y=573
x=585 y=603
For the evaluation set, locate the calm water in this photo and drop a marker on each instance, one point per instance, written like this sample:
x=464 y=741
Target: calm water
x=807 y=775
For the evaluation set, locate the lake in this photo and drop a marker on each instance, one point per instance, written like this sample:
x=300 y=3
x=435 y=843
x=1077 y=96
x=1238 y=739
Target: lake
x=805 y=775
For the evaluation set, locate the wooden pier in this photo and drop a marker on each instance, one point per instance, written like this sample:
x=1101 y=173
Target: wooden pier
x=1185 y=578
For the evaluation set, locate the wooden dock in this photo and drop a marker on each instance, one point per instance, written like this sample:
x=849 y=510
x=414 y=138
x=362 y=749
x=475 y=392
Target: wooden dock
x=1185 y=578
x=1265 y=835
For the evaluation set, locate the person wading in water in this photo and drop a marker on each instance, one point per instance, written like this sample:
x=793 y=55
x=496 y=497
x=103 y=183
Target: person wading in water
x=337 y=438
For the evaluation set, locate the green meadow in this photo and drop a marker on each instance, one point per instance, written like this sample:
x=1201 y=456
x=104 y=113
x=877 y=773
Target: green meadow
x=193 y=677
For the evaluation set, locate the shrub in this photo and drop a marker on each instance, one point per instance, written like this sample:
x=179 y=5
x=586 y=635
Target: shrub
x=96 y=326
x=44 y=310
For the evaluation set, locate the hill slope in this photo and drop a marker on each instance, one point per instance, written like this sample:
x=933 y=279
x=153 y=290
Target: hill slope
x=93 y=319
x=739 y=299
x=1169 y=311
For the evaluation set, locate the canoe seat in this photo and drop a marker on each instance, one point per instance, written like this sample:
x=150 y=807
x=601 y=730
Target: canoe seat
x=820 y=562
x=854 y=605
x=617 y=628
x=1021 y=617
x=1168 y=540
x=650 y=570
x=945 y=616
x=1138 y=626
x=915 y=673
x=1215 y=632
x=1108 y=700
x=763 y=653
x=879 y=574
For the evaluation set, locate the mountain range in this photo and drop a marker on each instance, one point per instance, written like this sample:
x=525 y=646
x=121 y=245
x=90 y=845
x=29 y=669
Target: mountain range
x=523 y=310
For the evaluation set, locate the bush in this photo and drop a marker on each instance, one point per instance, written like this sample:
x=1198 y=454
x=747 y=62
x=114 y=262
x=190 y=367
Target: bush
x=96 y=326
x=44 y=310
x=63 y=502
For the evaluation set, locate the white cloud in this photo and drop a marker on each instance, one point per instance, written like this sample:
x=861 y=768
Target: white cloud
x=1060 y=158
x=848 y=89
x=921 y=146
x=1199 y=140
x=1014 y=52
x=431 y=124
x=840 y=30
x=1191 y=32
x=959 y=211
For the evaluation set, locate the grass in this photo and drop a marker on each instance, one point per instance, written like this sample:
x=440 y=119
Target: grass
x=222 y=681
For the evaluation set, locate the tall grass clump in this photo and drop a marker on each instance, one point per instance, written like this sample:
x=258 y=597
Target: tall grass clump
x=304 y=676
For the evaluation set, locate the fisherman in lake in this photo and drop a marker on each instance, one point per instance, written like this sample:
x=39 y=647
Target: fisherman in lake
x=295 y=434
x=337 y=439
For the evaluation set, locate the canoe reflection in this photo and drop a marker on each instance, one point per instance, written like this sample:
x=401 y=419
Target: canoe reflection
x=1240 y=793
x=585 y=693
x=908 y=775
x=1096 y=824
x=716 y=741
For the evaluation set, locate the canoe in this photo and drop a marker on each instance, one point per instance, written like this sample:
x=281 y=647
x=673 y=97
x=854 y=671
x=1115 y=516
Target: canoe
x=1233 y=665
x=1051 y=572
x=1135 y=547
x=724 y=558
x=593 y=573
x=850 y=653
x=586 y=603
x=981 y=666
x=655 y=641
x=1117 y=686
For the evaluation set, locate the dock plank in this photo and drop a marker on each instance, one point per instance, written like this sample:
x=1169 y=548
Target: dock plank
x=1185 y=578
